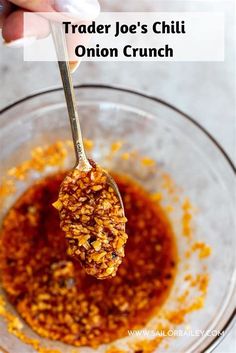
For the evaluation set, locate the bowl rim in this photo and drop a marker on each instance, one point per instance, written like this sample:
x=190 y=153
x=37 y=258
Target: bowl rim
x=232 y=319
x=135 y=92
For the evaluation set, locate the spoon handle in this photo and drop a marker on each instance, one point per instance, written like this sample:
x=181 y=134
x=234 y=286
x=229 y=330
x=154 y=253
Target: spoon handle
x=61 y=49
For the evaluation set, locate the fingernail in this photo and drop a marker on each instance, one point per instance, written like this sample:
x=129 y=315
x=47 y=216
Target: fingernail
x=83 y=9
x=21 y=42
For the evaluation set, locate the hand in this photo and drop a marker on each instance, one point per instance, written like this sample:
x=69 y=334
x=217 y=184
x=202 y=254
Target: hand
x=11 y=16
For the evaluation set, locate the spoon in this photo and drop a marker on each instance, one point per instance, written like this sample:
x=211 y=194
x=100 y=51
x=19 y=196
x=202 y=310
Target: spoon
x=116 y=228
x=82 y=162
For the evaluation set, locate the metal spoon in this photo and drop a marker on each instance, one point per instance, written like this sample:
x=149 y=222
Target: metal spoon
x=82 y=162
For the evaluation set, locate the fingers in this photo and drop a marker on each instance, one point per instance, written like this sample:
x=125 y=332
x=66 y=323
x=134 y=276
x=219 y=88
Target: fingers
x=16 y=36
x=5 y=8
x=13 y=29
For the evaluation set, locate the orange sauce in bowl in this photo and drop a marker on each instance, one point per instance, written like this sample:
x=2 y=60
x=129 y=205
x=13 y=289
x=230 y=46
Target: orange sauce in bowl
x=53 y=293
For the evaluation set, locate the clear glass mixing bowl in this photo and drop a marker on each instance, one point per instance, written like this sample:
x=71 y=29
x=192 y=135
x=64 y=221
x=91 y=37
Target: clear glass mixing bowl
x=179 y=145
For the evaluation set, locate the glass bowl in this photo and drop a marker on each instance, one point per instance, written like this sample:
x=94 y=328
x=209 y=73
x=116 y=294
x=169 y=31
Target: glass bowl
x=181 y=148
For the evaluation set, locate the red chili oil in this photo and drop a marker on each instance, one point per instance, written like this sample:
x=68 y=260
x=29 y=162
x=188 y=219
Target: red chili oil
x=52 y=292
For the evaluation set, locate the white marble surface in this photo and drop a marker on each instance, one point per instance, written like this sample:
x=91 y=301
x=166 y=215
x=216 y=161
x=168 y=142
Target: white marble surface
x=206 y=91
